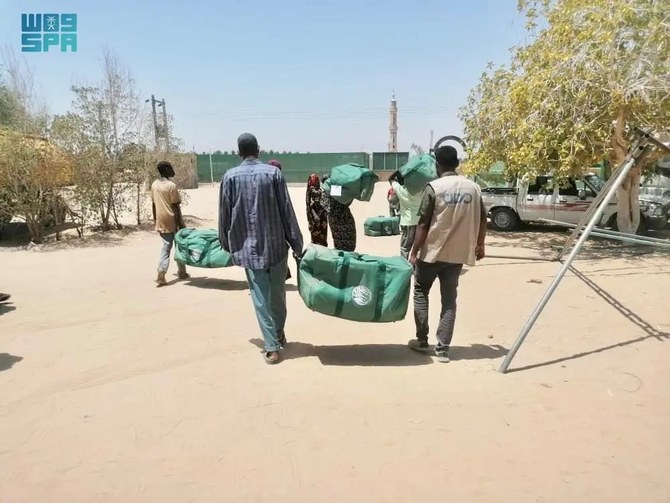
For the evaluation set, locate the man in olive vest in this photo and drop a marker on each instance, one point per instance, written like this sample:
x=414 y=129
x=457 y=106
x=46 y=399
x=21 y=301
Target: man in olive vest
x=450 y=233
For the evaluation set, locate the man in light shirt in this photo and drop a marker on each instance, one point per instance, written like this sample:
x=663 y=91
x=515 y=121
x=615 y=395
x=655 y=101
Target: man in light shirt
x=451 y=232
x=166 y=208
x=409 y=212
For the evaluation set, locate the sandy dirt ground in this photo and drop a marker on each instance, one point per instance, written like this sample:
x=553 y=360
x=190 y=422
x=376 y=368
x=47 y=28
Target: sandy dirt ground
x=112 y=390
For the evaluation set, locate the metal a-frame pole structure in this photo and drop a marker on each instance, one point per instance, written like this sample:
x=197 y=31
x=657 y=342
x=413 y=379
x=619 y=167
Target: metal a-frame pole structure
x=595 y=212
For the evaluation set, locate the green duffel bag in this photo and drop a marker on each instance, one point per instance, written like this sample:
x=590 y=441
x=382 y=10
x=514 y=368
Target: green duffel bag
x=382 y=226
x=350 y=181
x=354 y=287
x=200 y=248
x=418 y=172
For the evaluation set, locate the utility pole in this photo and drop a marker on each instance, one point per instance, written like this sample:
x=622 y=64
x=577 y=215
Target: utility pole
x=430 y=145
x=153 y=113
x=166 y=132
x=157 y=131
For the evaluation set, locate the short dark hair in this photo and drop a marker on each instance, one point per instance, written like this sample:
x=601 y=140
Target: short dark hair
x=165 y=169
x=447 y=158
x=247 y=144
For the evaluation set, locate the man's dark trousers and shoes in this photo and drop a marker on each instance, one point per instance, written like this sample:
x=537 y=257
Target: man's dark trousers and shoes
x=425 y=275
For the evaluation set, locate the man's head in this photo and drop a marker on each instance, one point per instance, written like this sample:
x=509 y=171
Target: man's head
x=165 y=169
x=275 y=163
x=447 y=159
x=247 y=145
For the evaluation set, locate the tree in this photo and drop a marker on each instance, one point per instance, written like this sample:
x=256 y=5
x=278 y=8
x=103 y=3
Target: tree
x=218 y=152
x=10 y=108
x=30 y=111
x=105 y=118
x=136 y=169
x=32 y=172
x=572 y=96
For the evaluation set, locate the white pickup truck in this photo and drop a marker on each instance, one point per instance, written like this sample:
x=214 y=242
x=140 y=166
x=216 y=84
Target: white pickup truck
x=544 y=199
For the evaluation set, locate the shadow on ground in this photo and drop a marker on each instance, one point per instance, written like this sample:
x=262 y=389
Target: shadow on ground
x=6 y=308
x=380 y=355
x=366 y=355
x=225 y=284
x=7 y=361
x=19 y=237
x=647 y=328
x=217 y=283
x=548 y=239
x=477 y=352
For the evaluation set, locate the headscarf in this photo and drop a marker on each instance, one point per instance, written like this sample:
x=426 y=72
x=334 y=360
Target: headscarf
x=275 y=163
x=313 y=181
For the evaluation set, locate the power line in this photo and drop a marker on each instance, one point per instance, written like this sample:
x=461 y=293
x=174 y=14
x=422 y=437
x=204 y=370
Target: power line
x=312 y=114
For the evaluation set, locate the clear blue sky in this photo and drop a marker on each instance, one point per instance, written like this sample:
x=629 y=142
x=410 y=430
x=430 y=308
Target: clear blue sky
x=303 y=75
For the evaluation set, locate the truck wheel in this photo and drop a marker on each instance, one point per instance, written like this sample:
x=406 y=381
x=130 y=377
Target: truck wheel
x=504 y=219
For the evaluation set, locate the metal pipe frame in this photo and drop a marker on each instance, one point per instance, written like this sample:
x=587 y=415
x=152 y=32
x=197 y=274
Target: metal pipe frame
x=619 y=236
x=635 y=153
x=631 y=240
x=510 y=257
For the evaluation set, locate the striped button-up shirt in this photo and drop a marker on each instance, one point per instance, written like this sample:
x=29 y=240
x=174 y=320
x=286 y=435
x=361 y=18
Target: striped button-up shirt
x=257 y=222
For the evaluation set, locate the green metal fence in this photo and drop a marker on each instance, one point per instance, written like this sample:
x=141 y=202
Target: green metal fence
x=296 y=167
x=389 y=161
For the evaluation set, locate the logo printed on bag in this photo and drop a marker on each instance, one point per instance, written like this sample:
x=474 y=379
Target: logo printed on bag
x=361 y=295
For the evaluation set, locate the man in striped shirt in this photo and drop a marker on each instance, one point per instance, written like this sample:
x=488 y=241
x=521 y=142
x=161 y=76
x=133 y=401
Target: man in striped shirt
x=257 y=224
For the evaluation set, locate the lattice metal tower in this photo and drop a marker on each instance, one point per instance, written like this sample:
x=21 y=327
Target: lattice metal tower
x=393 y=125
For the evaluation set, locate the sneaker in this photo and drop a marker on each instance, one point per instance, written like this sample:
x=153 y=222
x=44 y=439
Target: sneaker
x=418 y=345
x=271 y=357
x=281 y=335
x=4 y=297
x=442 y=355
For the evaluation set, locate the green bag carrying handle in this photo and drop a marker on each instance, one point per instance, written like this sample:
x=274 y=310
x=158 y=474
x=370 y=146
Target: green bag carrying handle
x=346 y=260
x=381 y=287
x=205 y=249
